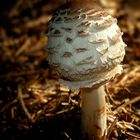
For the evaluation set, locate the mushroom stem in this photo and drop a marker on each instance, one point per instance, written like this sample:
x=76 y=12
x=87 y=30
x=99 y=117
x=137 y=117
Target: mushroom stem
x=94 y=113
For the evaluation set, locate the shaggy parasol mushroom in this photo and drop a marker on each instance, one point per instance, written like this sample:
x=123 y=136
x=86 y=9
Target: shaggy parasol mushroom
x=85 y=48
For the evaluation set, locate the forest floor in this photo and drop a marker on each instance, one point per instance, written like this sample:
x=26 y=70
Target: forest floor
x=32 y=102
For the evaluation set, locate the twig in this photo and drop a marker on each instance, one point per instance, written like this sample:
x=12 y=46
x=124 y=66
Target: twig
x=67 y=136
x=130 y=125
x=23 y=104
x=134 y=135
x=8 y=105
x=59 y=112
x=119 y=109
x=110 y=129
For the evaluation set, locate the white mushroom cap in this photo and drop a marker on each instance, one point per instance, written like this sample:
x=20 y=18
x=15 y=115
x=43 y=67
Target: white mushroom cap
x=85 y=47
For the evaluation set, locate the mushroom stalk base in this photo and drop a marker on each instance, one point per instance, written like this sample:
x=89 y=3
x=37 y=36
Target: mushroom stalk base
x=94 y=113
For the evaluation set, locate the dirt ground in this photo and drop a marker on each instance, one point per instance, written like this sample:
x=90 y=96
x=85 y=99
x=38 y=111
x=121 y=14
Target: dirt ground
x=32 y=102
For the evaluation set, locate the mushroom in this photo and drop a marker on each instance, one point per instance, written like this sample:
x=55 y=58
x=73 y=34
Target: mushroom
x=85 y=49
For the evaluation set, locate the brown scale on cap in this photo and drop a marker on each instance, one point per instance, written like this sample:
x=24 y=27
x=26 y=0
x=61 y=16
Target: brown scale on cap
x=66 y=19
x=67 y=29
x=79 y=50
x=97 y=41
x=91 y=11
x=56 y=33
x=106 y=23
x=84 y=16
x=83 y=33
x=87 y=60
x=69 y=40
x=98 y=15
x=76 y=17
x=67 y=54
x=55 y=65
x=58 y=20
x=85 y=24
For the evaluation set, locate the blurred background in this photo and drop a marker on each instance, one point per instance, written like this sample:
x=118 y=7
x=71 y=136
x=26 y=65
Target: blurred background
x=32 y=103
